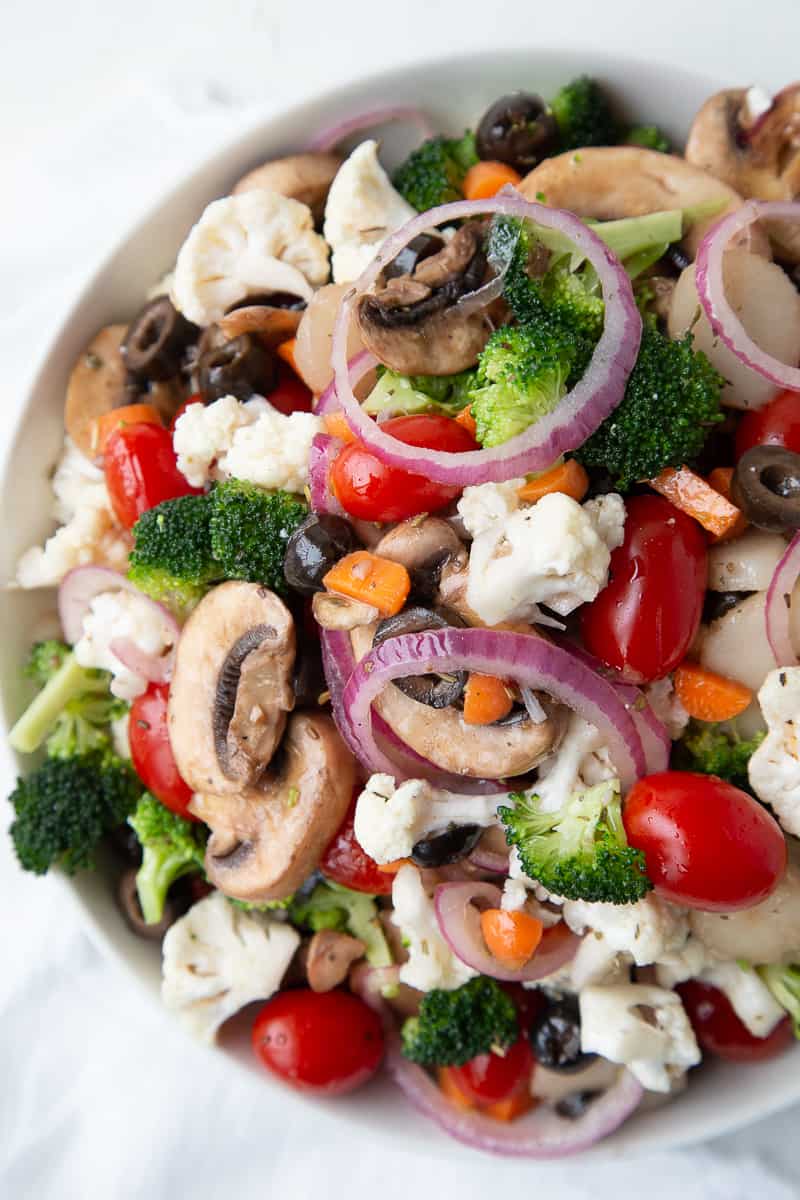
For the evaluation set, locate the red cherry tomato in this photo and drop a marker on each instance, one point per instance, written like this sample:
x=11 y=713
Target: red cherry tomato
x=141 y=471
x=776 y=424
x=194 y=399
x=291 y=394
x=644 y=621
x=706 y=844
x=345 y=862
x=151 y=751
x=369 y=489
x=489 y=1078
x=324 y=1042
x=719 y=1031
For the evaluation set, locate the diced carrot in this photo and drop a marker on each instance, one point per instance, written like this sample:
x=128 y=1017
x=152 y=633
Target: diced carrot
x=486 y=699
x=707 y=696
x=692 y=495
x=368 y=577
x=486 y=178
x=448 y=1084
x=720 y=480
x=569 y=478
x=467 y=421
x=512 y=1107
x=285 y=350
x=336 y=425
x=391 y=868
x=126 y=414
x=511 y=936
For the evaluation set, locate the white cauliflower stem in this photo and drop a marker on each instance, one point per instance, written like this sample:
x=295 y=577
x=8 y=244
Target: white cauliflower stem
x=641 y=1026
x=431 y=962
x=362 y=210
x=774 y=768
x=219 y=958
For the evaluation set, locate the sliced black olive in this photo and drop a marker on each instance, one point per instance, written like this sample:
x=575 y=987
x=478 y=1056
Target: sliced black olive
x=125 y=845
x=271 y=300
x=308 y=682
x=315 y=547
x=418 y=248
x=437 y=691
x=517 y=129
x=242 y=367
x=156 y=340
x=556 y=1036
x=716 y=604
x=448 y=847
x=766 y=486
x=575 y=1104
x=677 y=257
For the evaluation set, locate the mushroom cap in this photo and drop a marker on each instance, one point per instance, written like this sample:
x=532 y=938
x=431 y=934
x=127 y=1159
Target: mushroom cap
x=231 y=687
x=303 y=177
x=329 y=958
x=97 y=384
x=272 y=324
x=264 y=843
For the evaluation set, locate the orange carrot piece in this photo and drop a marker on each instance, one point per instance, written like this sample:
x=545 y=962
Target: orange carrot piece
x=569 y=478
x=391 y=868
x=486 y=178
x=467 y=421
x=448 y=1084
x=692 y=495
x=336 y=425
x=486 y=699
x=368 y=577
x=720 y=480
x=286 y=351
x=126 y=414
x=511 y=936
x=707 y=696
x=512 y=1107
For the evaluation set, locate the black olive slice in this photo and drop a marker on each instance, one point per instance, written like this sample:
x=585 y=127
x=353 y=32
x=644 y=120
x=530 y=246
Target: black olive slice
x=242 y=367
x=156 y=340
x=766 y=486
x=437 y=691
x=517 y=129
x=556 y=1036
x=448 y=847
x=315 y=547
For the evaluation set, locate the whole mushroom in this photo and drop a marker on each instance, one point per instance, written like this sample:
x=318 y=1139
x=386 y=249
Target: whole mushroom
x=304 y=177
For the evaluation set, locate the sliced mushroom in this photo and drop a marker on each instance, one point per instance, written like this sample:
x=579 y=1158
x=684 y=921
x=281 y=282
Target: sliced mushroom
x=330 y=956
x=303 y=177
x=231 y=688
x=332 y=611
x=759 y=158
x=424 y=547
x=98 y=383
x=270 y=322
x=610 y=182
x=266 y=841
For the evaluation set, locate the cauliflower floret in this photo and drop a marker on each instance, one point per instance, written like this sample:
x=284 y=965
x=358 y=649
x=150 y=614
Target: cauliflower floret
x=362 y=210
x=218 y=958
x=774 y=768
x=655 y=1047
x=681 y=964
x=247 y=245
x=647 y=930
x=431 y=963
x=750 y=998
x=608 y=516
x=581 y=761
x=120 y=616
x=663 y=700
x=484 y=504
x=390 y=820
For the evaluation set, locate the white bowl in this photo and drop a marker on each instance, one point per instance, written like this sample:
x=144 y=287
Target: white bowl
x=455 y=92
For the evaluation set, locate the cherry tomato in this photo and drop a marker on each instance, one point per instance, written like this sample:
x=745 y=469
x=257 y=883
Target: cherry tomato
x=706 y=844
x=141 y=471
x=291 y=394
x=369 y=489
x=324 y=1042
x=719 y=1031
x=492 y=1077
x=151 y=751
x=345 y=862
x=776 y=424
x=644 y=621
x=194 y=399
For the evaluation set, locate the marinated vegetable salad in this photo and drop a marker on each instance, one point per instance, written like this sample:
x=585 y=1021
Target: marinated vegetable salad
x=427 y=559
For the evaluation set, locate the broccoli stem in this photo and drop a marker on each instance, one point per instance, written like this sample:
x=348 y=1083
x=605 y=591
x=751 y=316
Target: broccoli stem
x=155 y=877
x=69 y=681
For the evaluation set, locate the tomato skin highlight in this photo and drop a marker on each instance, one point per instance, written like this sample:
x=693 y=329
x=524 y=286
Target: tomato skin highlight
x=645 y=619
x=488 y=1078
x=323 y=1042
x=141 y=470
x=720 y=1032
x=706 y=843
x=347 y=863
x=151 y=752
x=369 y=489
x=776 y=424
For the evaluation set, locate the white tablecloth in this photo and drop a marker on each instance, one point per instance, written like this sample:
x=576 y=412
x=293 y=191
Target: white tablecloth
x=102 y=104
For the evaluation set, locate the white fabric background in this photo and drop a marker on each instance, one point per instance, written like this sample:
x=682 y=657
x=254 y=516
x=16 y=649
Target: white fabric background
x=103 y=102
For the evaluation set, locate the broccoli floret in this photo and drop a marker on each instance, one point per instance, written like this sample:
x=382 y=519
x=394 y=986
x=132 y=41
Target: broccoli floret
x=171 y=847
x=332 y=906
x=406 y=394
x=783 y=980
x=45 y=659
x=249 y=531
x=580 y=851
x=453 y=1027
x=261 y=906
x=649 y=136
x=172 y=559
x=72 y=711
x=583 y=115
x=64 y=808
x=671 y=402
x=434 y=173
x=716 y=750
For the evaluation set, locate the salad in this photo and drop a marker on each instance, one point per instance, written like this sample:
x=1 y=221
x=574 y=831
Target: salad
x=426 y=667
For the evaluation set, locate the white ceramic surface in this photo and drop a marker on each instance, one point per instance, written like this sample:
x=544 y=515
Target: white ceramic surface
x=455 y=92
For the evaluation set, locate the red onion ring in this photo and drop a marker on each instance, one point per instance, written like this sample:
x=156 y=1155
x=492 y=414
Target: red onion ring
x=777 y=610
x=488 y=860
x=152 y=667
x=80 y=586
x=711 y=289
x=324 y=450
x=460 y=927
x=530 y=662
x=580 y=412
x=329 y=138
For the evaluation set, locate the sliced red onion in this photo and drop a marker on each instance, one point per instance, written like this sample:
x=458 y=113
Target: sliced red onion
x=358 y=367
x=580 y=412
x=489 y=860
x=329 y=138
x=80 y=586
x=155 y=668
x=323 y=451
x=530 y=662
x=777 y=610
x=711 y=289
x=460 y=927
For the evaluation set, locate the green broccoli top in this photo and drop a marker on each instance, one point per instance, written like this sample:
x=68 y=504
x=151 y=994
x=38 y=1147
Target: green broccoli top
x=44 y=659
x=72 y=712
x=716 y=750
x=407 y=394
x=783 y=980
x=333 y=906
x=434 y=173
x=171 y=847
x=249 y=531
x=579 y=851
x=583 y=114
x=649 y=136
x=172 y=559
x=453 y=1027
x=64 y=808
